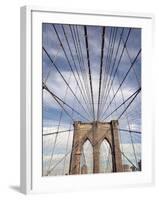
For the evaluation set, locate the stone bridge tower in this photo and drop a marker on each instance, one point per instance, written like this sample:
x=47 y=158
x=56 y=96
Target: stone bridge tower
x=95 y=132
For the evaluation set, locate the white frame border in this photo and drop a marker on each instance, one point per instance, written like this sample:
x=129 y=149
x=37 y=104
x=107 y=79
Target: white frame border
x=26 y=97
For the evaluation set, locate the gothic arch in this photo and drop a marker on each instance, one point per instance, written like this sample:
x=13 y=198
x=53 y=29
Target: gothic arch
x=95 y=133
x=106 y=161
x=86 y=160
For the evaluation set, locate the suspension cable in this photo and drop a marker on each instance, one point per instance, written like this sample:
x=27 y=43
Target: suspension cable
x=64 y=80
x=89 y=69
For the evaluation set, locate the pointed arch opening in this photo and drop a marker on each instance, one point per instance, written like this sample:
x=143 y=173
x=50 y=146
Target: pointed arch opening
x=105 y=157
x=86 y=161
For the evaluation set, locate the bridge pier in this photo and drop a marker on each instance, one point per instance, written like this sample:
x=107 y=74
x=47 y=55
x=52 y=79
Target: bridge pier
x=95 y=132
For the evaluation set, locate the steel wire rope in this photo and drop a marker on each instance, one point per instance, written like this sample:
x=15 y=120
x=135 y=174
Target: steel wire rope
x=118 y=63
x=64 y=79
x=70 y=66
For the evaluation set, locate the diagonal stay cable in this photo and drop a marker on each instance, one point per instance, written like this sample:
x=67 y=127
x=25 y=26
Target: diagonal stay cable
x=108 y=58
x=127 y=119
x=136 y=92
x=64 y=80
x=69 y=64
x=107 y=67
x=111 y=80
x=81 y=65
x=56 y=136
x=56 y=132
x=72 y=31
x=56 y=164
x=131 y=62
x=112 y=47
x=109 y=63
x=54 y=59
x=132 y=131
x=60 y=118
x=128 y=123
x=129 y=104
x=84 y=69
x=128 y=159
x=59 y=99
x=75 y=66
x=123 y=80
x=64 y=109
x=121 y=55
x=75 y=46
x=68 y=44
x=54 y=143
x=64 y=131
x=67 y=144
x=110 y=70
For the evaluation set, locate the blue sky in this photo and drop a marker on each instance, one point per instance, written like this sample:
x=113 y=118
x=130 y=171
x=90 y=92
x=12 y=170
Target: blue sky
x=52 y=111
